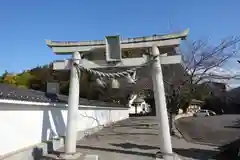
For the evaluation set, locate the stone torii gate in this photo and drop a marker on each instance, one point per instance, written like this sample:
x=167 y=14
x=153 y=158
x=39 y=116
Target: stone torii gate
x=110 y=53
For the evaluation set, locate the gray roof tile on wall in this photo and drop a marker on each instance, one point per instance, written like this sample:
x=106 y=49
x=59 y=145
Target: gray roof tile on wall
x=22 y=94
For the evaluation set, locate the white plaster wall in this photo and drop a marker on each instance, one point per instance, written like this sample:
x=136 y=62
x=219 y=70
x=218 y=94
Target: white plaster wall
x=26 y=125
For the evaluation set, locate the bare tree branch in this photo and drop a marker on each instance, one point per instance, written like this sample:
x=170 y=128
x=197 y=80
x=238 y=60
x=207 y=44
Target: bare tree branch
x=199 y=59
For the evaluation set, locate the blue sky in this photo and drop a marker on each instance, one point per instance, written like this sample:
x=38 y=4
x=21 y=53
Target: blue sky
x=25 y=24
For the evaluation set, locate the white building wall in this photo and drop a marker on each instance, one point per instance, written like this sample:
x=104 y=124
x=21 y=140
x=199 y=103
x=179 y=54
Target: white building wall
x=27 y=125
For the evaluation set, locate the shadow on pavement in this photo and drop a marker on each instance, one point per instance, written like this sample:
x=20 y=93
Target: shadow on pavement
x=122 y=134
x=222 y=131
x=131 y=145
x=236 y=125
x=116 y=151
x=37 y=153
x=136 y=125
x=196 y=153
x=230 y=150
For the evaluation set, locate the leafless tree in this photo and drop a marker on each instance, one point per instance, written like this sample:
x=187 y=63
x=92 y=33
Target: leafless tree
x=95 y=119
x=200 y=59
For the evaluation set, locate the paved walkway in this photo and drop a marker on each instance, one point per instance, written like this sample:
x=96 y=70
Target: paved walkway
x=136 y=139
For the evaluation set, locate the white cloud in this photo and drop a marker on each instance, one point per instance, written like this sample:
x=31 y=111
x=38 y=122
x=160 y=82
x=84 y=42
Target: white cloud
x=225 y=72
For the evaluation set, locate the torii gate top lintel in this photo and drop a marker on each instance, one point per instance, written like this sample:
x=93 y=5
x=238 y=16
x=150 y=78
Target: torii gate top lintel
x=67 y=47
x=113 y=47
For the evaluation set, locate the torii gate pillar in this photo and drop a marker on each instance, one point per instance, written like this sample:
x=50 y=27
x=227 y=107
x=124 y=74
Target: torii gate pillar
x=73 y=102
x=160 y=103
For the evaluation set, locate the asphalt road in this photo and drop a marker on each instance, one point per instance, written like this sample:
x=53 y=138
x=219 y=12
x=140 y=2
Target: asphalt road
x=137 y=138
x=215 y=130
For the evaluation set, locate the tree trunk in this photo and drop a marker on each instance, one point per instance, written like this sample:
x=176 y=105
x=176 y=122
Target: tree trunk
x=171 y=123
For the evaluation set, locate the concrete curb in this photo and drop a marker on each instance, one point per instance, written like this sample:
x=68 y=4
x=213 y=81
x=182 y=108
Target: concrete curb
x=176 y=131
x=183 y=116
x=184 y=137
x=175 y=124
